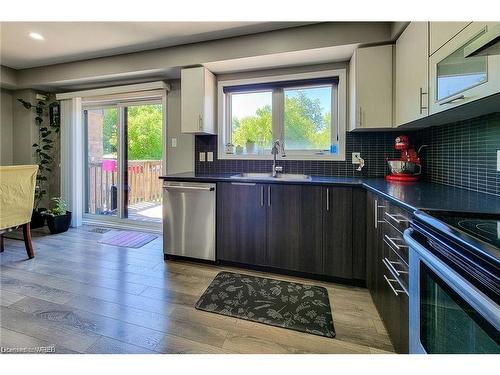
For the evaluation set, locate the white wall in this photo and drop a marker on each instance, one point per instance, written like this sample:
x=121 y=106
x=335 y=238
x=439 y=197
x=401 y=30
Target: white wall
x=6 y=152
x=181 y=158
x=25 y=132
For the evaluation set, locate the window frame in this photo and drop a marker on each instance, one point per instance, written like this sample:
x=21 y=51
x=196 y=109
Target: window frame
x=339 y=102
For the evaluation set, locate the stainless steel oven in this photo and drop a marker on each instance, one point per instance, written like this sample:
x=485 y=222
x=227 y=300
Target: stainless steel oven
x=453 y=301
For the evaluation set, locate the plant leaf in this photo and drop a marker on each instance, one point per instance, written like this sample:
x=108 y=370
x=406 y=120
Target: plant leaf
x=26 y=104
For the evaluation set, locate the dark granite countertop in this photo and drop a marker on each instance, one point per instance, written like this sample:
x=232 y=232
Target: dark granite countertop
x=418 y=195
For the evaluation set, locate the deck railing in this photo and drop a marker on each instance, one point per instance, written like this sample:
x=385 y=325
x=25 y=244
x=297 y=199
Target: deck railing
x=144 y=185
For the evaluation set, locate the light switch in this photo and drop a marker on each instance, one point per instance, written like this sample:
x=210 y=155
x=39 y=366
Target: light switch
x=202 y=156
x=174 y=142
x=210 y=156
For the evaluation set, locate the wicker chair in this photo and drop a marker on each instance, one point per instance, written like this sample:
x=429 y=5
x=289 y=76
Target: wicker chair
x=17 y=190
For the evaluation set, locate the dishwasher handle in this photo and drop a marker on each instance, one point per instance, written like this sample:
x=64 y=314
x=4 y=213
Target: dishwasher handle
x=191 y=188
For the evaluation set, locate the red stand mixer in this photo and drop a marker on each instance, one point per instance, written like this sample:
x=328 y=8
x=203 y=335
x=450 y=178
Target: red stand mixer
x=407 y=168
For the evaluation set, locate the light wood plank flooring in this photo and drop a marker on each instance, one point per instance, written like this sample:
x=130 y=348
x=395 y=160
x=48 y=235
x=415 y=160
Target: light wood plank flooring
x=84 y=297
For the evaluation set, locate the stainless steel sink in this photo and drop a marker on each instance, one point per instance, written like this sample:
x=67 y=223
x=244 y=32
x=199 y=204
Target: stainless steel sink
x=269 y=176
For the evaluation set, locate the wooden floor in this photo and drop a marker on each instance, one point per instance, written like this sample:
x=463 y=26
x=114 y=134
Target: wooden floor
x=84 y=297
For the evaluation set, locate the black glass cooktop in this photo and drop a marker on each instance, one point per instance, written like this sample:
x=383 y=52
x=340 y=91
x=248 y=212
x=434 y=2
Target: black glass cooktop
x=485 y=228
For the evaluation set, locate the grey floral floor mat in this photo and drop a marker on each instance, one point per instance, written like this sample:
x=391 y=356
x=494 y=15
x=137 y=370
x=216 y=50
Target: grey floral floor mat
x=299 y=307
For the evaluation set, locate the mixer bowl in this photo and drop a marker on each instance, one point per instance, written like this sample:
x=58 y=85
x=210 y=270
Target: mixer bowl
x=404 y=167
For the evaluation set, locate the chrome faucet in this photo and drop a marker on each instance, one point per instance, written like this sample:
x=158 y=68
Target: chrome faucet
x=277 y=147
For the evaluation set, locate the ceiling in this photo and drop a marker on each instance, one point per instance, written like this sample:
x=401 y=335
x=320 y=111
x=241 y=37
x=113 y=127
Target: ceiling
x=73 y=41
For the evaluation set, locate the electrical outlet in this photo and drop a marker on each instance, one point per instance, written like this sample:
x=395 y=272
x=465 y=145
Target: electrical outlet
x=202 y=156
x=210 y=156
x=174 y=142
x=355 y=157
x=498 y=160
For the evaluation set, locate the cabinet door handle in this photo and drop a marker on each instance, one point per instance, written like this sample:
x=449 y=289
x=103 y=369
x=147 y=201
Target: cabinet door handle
x=377 y=221
x=262 y=196
x=360 y=114
x=327 y=199
x=422 y=107
x=269 y=195
x=243 y=183
x=452 y=99
x=200 y=122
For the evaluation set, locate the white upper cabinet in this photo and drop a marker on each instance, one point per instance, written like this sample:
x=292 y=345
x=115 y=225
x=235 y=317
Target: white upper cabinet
x=370 y=88
x=198 y=90
x=455 y=79
x=411 y=75
x=442 y=32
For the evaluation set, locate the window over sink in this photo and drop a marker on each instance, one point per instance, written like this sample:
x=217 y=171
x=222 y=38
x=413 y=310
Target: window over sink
x=305 y=111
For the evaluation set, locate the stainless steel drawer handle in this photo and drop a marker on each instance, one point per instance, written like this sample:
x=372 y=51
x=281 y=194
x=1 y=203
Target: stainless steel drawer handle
x=398 y=218
x=269 y=195
x=262 y=196
x=392 y=243
x=395 y=291
x=390 y=266
x=191 y=188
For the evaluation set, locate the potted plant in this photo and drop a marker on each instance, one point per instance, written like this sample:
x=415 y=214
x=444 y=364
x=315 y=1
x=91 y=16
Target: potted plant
x=250 y=146
x=58 y=218
x=44 y=149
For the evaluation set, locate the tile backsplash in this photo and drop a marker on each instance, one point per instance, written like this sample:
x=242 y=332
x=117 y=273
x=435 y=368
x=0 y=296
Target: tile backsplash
x=375 y=147
x=461 y=154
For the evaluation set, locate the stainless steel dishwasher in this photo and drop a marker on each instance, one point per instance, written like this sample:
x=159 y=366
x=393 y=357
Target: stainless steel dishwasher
x=189 y=219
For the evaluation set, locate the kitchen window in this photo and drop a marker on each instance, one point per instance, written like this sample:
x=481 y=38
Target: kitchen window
x=306 y=111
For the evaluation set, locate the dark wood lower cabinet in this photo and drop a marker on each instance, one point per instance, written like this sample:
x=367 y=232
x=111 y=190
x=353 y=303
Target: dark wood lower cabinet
x=392 y=308
x=241 y=223
x=337 y=232
x=304 y=228
x=294 y=222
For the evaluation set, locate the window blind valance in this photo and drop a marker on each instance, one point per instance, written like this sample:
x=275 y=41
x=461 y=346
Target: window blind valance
x=280 y=84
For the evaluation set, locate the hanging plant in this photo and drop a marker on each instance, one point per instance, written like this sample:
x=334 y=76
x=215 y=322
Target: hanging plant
x=44 y=148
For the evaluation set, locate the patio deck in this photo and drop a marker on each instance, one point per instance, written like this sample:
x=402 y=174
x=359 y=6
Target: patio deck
x=146 y=211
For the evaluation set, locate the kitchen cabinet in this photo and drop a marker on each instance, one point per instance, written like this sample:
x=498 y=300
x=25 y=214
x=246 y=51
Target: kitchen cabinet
x=241 y=223
x=386 y=267
x=370 y=88
x=442 y=32
x=374 y=241
x=411 y=73
x=198 y=93
x=337 y=232
x=454 y=79
x=294 y=223
x=303 y=228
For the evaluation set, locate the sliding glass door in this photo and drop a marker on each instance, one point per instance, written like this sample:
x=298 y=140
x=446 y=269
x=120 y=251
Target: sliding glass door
x=101 y=127
x=124 y=156
x=144 y=143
